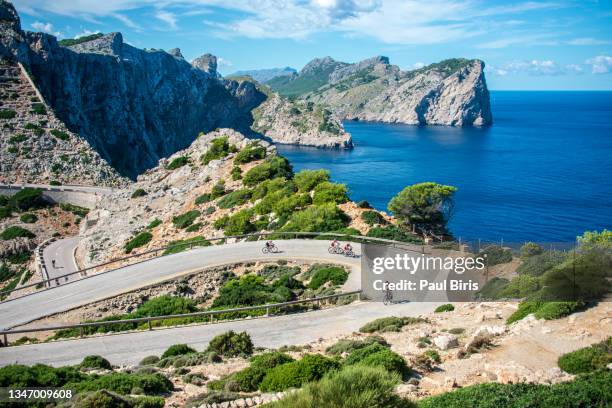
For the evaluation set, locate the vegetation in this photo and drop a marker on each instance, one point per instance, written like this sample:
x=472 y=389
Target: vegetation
x=387 y=324
x=59 y=134
x=232 y=344
x=139 y=192
x=292 y=86
x=154 y=223
x=587 y=359
x=74 y=41
x=75 y=209
x=273 y=167
x=95 y=362
x=177 y=162
x=307 y=180
x=591 y=390
x=28 y=218
x=377 y=355
x=219 y=148
x=218 y=190
x=235 y=198
x=444 y=308
x=394 y=233
x=327 y=192
x=253 y=151
x=184 y=220
x=239 y=223
x=139 y=240
x=16 y=231
x=184 y=244
x=427 y=205
x=297 y=373
x=544 y=310
x=348 y=346
x=351 y=387
x=496 y=255
x=7 y=113
x=236 y=173
x=28 y=198
x=530 y=249
x=373 y=218
x=318 y=218
x=177 y=350
x=333 y=274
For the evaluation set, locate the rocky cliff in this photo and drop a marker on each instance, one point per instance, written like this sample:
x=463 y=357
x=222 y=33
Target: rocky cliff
x=452 y=92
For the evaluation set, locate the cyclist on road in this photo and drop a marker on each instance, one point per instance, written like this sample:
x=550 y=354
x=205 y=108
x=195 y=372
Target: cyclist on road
x=270 y=244
x=335 y=243
x=53 y=262
x=348 y=248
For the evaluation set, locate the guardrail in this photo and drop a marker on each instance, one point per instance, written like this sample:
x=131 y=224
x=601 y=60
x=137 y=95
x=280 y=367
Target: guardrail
x=149 y=320
x=155 y=252
x=63 y=187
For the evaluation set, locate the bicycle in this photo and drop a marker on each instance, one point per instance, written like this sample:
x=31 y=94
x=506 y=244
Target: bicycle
x=349 y=253
x=335 y=250
x=388 y=297
x=270 y=249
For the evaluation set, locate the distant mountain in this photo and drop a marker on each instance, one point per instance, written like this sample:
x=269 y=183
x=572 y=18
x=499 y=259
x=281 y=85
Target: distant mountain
x=263 y=75
x=451 y=92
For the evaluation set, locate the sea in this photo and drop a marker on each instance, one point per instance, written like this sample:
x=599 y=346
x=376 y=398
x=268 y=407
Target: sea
x=542 y=172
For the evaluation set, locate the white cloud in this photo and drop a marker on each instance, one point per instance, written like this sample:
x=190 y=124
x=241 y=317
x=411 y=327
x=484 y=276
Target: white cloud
x=222 y=62
x=587 y=41
x=418 y=65
x=168 y=18
x=46 y=28
x=534 y=67
x=127 y=21
x=601 y=64
x=86 y=32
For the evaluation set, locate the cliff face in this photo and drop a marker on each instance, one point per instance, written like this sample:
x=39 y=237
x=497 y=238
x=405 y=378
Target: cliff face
x=452 y=92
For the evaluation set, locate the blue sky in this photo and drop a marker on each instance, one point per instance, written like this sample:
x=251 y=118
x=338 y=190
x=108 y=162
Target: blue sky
x=526 y=45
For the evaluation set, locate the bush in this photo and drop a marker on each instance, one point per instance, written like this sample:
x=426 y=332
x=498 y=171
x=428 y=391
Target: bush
x=249 y=379
x=155 y=223
x=238 y=197
x=536 y=265
x=218 y=190
x=520 y=287
x=16 y=232
x=531 y=249
x=139 y=192
x=7 y=114
x=253 y=151
x=202 y=199
x=95 y=362
x=139 y=240
x=178 y=162
x=372 y=217
x=75 y=209
x=591 y=390
x=525 y=308
x=218 y=149
x=274 y=167
x=376 y=355
x=28 y=198
x=184 y=244
x=59 y=134
x=496 y=255
x=236 y=173
x=327 y=192
x=5 y=212
x=556 y=310
x=239 y=223
x=149 y=360
x=307 y=180
x=351 y=387
x=492 y=289
x=177 y=350
x=390 y=324
x=123 y=383
x=444 y=308
x=184 y=220
x=394 y=233
x=295 y=374
x=250 y=290
x=318 y=218
x=348 y=346
x=28 y=218
x=231 y=344
x=587 y=359
x=334 y=274
x=165 y=305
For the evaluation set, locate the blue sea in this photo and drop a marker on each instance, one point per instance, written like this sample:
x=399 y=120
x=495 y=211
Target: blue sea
x=542 y=172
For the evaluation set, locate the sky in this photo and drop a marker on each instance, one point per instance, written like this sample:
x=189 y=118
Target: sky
x=526 y=45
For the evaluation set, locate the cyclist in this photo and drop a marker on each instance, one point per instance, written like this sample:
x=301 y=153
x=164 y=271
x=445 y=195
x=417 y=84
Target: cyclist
x=388 y=296
x=335 y=243
x=270 y=244
x=53 y=262
x=348 y=248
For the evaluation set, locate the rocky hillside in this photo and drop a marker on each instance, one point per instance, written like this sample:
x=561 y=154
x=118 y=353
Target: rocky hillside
x=452 y=92
x=36 y=147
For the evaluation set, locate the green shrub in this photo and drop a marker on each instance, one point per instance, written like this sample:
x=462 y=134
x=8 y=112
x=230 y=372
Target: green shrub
x=525 y=308
x=376 y=355
x=253 y=151
x=184 y=244
x=318 y=218
x=307 y=180
x=155 y=223
x=333 y=274
x=194 y=227
x=274 y=167
x=531 y=249
x=348 y=346
x=16 y=232
x=139 y=240
x=394 y=233
x=214 y=398
x=556 y=310
x=177 y=162
x=184 y=220
x=297 y=373
x=444 y=308
x=239 y=223
x=218 y=189
x=537 y=264
x=149 y=360
x=390 y=324
x=28 y=198
x=74 y=41
x=18 y=138
x=177 y=350
x=372 y=217
x=218 y=149
x=249 y=290
x=351 y=387
x=139 y=192
x=493 y=288
x=5 y=212
x=7 y=114
x=123 y=383
x=495 y=255
x=95 y=362
x=232 y=344
x=236 y=173
x=327 y=192
x=75 y=209
x=59 y=134
x=28 y=218
x=202 y=199
x=165 y=305
x=249 y=379
x=520 y=287
x=238 y=197
x=587 y=359
x=591 y=390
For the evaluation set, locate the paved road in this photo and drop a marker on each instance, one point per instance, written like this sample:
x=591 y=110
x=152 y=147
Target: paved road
x=130 y=348
x=62 y=251
x=84 y=189
x=73 y=294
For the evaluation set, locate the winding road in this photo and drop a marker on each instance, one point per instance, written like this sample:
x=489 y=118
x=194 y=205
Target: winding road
x=62 y=252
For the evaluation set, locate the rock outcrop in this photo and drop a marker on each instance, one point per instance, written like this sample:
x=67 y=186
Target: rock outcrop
x=452 y=92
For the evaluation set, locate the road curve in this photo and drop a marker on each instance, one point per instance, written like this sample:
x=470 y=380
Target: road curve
x=63 y=187
x=73 y=294
x=273 y=332
x=62 y=251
